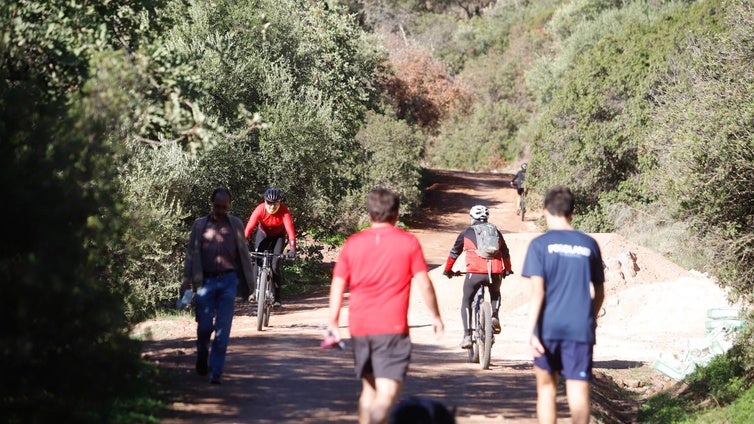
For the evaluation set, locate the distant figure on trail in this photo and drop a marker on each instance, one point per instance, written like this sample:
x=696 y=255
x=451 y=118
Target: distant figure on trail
x=377 y=265
x=481 y=268
x=273 y=223
x=518 y=183
x=217 y=257
x=563 y=266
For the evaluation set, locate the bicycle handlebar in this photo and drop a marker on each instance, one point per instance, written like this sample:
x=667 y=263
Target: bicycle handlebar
x=459 y=273
x=261 y=255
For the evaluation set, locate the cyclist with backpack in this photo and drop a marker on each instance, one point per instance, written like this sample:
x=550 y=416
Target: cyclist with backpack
x=273 y=222
x=488 y=261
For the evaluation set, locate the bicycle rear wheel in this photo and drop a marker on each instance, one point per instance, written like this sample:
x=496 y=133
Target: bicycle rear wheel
x=485 y=336
x=262 y=299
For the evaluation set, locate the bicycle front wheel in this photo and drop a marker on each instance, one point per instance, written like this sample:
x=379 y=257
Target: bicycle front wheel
x=268 y=306
x=262 y=299
x=473 y=353
x=485 y=336
x=474 y=350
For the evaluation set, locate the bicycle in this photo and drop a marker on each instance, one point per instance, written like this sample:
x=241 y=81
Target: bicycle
x=265 y=291
x=482 y=335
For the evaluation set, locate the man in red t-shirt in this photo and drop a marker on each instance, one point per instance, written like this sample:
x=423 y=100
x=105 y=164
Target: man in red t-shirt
x=274 y=222
x=378 y=265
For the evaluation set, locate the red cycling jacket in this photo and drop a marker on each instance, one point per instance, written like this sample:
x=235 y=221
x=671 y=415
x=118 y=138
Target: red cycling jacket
x=272 y=225
x=475 y=264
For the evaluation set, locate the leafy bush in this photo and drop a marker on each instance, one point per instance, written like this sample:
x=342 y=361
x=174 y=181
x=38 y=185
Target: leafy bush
x=706 y=165
x=481 y=140
x=277 y=103
x=664 y=408
x=154 y=188
x=716 y=385
x=739 y=411
x=721 y=380
x=392 y=150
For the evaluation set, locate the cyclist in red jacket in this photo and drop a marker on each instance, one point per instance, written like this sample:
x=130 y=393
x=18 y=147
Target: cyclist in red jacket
x=273 y=222
x=477 y=271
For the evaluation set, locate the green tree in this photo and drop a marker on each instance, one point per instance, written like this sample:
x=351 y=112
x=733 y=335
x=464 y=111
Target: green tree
x=66 y=351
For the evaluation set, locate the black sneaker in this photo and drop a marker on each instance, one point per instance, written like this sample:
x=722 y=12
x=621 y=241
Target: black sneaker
x=202 y=367
x=215 y=379
x=496 y=325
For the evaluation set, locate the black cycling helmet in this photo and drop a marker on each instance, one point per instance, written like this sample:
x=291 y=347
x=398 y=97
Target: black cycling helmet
x=273 y=195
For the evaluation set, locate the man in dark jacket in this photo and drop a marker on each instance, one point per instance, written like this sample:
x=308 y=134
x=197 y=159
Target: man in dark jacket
x=217 y=257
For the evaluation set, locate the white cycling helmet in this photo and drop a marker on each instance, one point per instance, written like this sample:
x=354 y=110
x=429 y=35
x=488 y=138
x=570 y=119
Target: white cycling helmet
x=479 y=213
x=523 y=166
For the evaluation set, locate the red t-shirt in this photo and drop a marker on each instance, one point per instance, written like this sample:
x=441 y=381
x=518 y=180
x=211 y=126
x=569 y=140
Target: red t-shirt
x=378 y=264
x=272 y=224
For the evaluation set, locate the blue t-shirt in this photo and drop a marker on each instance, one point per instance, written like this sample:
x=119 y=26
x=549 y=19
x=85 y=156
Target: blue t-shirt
x=568 y=260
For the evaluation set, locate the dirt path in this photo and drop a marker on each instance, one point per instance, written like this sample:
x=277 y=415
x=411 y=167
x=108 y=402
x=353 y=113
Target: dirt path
x=281 y=375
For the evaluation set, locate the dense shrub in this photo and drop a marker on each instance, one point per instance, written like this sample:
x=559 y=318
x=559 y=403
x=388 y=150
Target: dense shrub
x=392 y=153
x=704 y=131
x=66 y=352
x=481 y=140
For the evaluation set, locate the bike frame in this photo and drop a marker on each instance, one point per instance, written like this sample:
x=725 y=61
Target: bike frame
x=265 y=290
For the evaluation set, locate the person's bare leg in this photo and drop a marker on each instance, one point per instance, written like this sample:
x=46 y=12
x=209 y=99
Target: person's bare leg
x=387 y=395
x=547 y=390
x=368 y=393
x=579 y=396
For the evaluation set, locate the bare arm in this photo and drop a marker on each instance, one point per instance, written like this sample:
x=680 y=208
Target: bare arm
x=427 y=290
x=337 y=289
x=289 y=230
x=599 y=297
x=535 y=308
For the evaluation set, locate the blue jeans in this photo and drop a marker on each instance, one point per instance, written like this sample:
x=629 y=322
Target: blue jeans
x=214 y=312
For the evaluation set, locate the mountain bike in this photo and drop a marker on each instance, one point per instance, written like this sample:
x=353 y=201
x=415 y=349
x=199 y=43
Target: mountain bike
x=265 y=291
x=482 y=336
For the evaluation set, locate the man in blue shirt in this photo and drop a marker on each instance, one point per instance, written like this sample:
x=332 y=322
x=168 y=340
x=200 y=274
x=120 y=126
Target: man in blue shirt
x=564 y=266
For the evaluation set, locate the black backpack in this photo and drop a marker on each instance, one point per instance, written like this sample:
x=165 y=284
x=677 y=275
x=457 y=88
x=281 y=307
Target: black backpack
x=487 y=240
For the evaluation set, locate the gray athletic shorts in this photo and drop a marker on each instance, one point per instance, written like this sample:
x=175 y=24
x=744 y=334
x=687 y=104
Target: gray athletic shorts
x=382 y=355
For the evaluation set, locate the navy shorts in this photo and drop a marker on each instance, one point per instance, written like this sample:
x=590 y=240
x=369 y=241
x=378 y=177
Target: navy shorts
x=382 y=355
x=573 y=360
